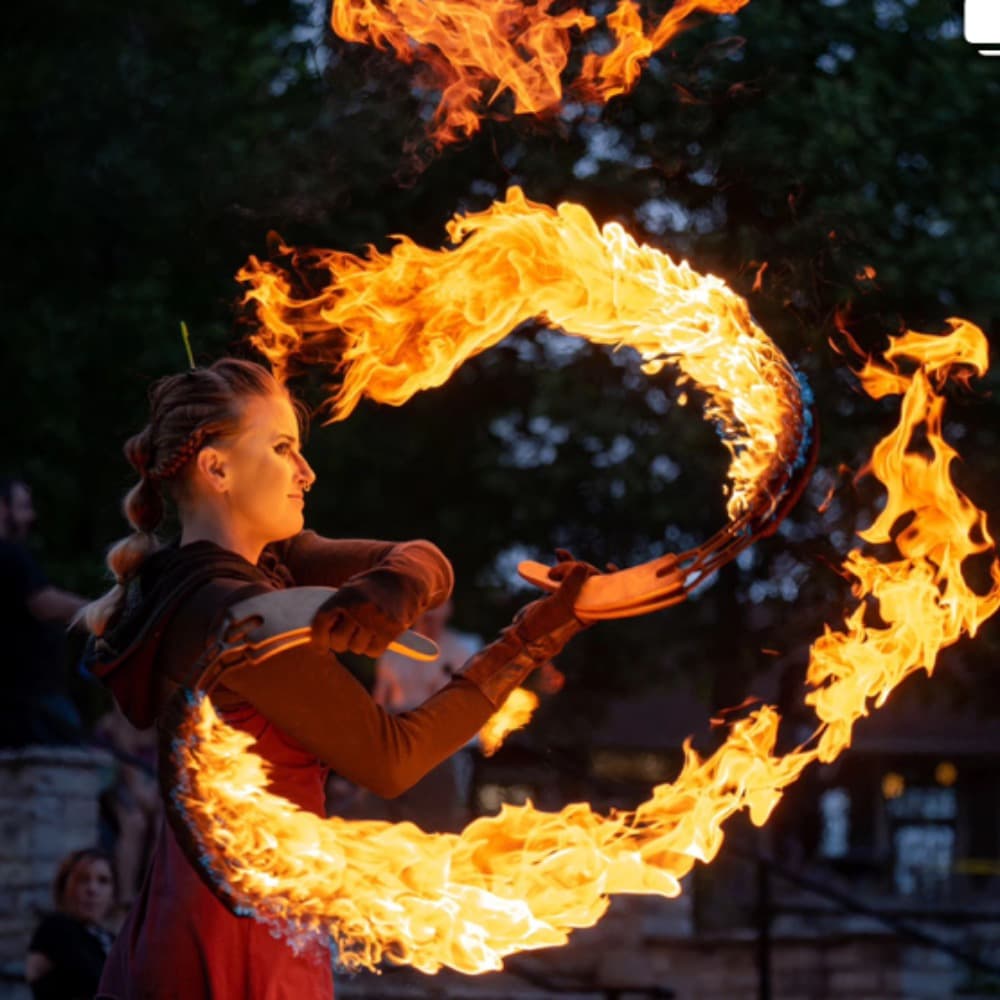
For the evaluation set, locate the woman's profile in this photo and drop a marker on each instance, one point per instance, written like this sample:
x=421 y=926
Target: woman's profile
x=223 y=445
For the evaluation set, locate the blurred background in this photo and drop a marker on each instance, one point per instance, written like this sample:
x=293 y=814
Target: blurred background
x=836 y=163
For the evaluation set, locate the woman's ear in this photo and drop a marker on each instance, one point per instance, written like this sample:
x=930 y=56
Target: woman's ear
x=212 y=469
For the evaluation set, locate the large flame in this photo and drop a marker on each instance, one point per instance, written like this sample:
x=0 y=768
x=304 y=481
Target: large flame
x=393 y=324
x=474 y=51
x=525 y=878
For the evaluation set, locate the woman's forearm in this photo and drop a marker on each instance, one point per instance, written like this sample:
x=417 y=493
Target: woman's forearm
x=314 y=699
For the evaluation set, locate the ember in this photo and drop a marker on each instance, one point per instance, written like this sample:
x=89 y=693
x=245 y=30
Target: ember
x=514 y=714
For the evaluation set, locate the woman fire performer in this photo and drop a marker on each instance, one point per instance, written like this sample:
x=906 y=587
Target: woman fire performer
x=223 y=444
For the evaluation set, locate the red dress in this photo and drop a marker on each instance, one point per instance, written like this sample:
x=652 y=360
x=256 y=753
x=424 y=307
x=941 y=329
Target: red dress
x=179 y=941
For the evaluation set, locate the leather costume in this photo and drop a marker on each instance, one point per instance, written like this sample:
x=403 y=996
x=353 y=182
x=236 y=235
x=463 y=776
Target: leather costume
x=307 y=713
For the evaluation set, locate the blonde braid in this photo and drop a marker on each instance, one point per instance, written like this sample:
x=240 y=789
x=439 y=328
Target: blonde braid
x=143 y=509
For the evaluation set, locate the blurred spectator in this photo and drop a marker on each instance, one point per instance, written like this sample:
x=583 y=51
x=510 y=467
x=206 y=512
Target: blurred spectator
x=36 y=706
x=439 y=801
x=69 y=947
x=130 y=802
x=402 y=683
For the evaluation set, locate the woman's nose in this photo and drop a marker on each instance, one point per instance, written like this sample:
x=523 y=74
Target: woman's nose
x=306 y=473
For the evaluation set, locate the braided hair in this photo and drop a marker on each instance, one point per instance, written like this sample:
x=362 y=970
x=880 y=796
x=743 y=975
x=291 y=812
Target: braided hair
x=186 y=412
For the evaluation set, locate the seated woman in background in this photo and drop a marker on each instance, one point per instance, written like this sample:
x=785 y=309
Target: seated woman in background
x=68 y=949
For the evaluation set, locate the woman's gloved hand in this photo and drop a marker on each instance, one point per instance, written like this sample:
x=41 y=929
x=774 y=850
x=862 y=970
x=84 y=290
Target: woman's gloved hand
x=538 y=632
x=347 y=622
x=551 y=621
x=566 y=563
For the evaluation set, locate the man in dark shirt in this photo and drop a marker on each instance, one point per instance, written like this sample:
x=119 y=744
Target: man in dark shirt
x=35 y=707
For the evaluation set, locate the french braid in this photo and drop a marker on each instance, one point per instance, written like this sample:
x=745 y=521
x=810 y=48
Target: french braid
x=185 y=412
x=168 y=468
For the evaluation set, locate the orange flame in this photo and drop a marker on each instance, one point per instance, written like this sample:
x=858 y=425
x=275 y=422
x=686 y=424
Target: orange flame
x=396 y=323
x=525 y=878
x=474 y=51
x=515 y=713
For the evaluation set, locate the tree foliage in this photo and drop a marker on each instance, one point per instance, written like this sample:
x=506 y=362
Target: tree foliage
x=157 y=146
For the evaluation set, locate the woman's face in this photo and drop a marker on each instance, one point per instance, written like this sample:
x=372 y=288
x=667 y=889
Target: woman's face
x=265 y=474
x=89 y=891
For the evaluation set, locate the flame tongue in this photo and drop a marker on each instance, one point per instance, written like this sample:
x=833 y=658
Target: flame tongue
x=524 y=878
x=411 y=317
x=923 y=598
x=473 y=51
x=607 y=76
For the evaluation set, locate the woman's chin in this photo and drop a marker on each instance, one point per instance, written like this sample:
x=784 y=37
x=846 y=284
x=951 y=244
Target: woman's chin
x=292 y=526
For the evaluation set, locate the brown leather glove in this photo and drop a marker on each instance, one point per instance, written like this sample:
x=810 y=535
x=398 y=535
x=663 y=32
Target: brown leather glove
x=349 y=622
x=566 y=562
x=539 y=631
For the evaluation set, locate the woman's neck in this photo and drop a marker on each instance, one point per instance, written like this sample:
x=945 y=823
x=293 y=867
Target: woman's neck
x=204 y=527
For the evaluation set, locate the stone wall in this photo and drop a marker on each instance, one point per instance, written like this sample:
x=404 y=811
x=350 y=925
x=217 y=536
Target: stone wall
x=48 y=808
x=643 y=947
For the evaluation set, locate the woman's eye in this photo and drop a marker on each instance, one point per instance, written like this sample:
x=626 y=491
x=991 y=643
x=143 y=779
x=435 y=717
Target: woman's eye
x=283 y=448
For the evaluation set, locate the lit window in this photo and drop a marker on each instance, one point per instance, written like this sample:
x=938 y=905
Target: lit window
x=835 y=816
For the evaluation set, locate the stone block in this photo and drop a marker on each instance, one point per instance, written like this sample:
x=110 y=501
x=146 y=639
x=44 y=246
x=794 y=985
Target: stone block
x=797 y=957
x=626 y=969
x=13 y=947
x=50 y=844
x=662 y=963
x=17 y=872
x=40 y=810
x=32 y=899
x=15 y=836
x=811 y=982
x=928 y=985
x=849 y=955
x=928 y=958
x=853 y=982
x=80 y=817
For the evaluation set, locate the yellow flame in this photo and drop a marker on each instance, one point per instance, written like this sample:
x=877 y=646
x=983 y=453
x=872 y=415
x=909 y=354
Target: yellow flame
x=515 y=713
x=474 y=51
x=525 y=878
x=393 y=324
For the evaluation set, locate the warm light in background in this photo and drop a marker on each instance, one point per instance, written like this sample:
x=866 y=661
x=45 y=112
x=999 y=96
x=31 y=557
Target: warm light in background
x=946 y=774
x=893 y=785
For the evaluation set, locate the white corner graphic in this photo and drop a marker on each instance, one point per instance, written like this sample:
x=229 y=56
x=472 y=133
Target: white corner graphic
x=982 y=25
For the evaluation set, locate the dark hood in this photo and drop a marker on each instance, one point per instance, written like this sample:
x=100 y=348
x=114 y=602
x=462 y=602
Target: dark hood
x=124 y=657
